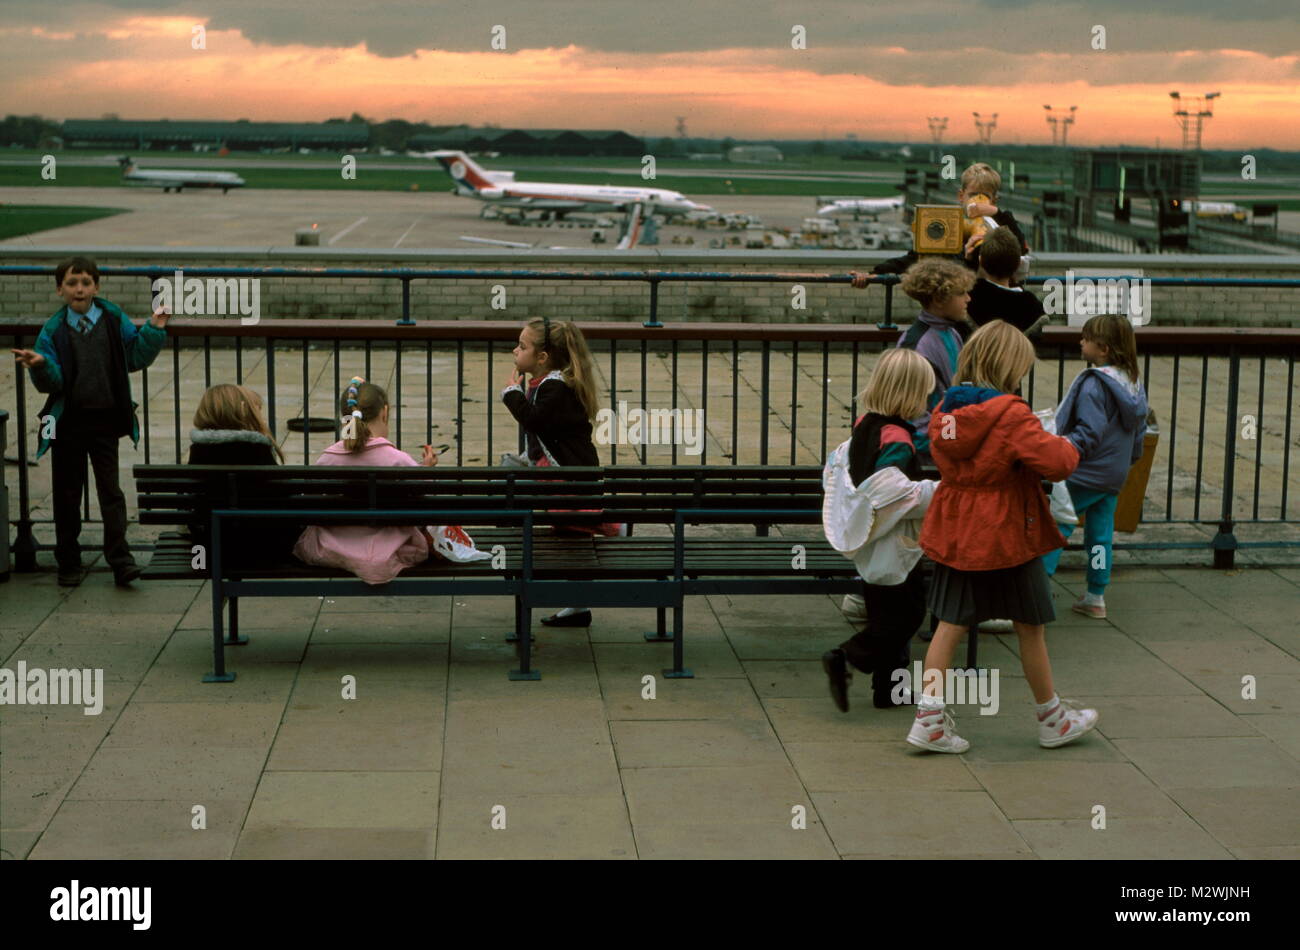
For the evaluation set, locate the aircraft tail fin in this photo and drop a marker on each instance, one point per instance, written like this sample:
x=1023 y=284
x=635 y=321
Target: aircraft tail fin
x=463 y=170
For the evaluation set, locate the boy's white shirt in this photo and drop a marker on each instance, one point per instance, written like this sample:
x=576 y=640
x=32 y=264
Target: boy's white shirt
x=874 y=524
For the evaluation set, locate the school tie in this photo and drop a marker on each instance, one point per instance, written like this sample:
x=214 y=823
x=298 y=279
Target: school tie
x=83 y=326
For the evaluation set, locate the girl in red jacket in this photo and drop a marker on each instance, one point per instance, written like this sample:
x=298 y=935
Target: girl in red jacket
x=987 y=529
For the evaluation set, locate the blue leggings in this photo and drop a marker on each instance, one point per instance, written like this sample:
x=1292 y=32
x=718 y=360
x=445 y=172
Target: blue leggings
x=1098 y=532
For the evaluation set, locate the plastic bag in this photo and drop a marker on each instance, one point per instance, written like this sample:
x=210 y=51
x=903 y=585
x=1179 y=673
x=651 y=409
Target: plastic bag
x=452 y=543
x=1061 y=503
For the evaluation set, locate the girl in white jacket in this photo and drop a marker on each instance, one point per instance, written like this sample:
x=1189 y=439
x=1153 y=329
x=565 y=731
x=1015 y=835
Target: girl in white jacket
x=875 y=500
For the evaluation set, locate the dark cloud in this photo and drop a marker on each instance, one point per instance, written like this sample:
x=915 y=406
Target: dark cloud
x=403 y=27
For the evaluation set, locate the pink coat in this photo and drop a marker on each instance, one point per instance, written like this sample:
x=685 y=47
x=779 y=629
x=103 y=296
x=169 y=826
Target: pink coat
x=376 y=555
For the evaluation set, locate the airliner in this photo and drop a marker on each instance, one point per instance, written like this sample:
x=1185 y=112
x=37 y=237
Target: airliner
x=856 y=206
x=167 y=179
x=474 y=181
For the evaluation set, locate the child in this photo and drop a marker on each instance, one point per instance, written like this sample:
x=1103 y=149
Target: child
x=942 y=288
x=229 y=430
x=987 y=529
x=1104 y=415
x=375 y=554
x=868 y=522
x=556 y=412
x=993 y=297
x=83 y=358
x=978 y=197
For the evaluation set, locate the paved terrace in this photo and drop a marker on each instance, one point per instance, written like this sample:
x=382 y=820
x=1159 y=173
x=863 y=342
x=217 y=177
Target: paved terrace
x=587 y=768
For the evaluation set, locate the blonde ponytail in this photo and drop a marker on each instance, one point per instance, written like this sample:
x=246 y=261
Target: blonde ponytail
x=568 y=352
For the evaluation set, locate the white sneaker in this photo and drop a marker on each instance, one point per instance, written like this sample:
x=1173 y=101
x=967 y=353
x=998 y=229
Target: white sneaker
x=854 y=607
x=996 y=626
x=1065 y=723
x=932 y=730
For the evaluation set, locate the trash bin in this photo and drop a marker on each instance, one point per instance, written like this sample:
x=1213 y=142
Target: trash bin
x=4 y=499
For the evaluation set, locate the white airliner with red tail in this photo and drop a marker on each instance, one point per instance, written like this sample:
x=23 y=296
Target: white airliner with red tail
x=474 y=181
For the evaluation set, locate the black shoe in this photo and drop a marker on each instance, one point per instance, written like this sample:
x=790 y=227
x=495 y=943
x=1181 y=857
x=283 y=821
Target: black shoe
x=124 y=576
x=837 y=672
x=581 y=619
x=71 y=577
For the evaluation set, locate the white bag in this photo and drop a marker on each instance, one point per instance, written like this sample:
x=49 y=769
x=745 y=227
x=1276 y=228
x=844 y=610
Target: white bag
x=1062 y=504
x=452 y=543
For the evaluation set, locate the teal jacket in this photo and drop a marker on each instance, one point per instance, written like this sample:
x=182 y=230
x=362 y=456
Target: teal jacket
x=134 y=350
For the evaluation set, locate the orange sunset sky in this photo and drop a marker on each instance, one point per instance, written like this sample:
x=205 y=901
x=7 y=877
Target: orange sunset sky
x=872 y=69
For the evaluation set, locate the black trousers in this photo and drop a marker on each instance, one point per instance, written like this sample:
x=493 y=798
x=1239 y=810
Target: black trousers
x=78 y=438
x=893 y=614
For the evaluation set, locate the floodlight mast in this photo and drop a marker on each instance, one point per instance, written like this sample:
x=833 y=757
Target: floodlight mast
x=1193 y=119
x=1060 y=124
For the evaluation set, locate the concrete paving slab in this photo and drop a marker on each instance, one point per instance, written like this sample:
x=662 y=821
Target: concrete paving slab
x=730 y=699
x=836 y=767
x=1270 y=694
x=797 y=719
x=345 y=800
x=1244 y=817
x=1212 y=763
x=744 y=840
x=535 y=827
x=1071 y=790
x=895 y=821
x=710 y=660
x=143 y=629
x=1283 y=730
x=266 y=683
x=1147 y=717
x=29 y=798
x=1227 y=657
x=167 y=773
x=373 y=662
x=1124 y=839
x=377 y=700
x=128 y=830
x=327 y=745
x=335 y=844
x=695 y=743
x=15 y=845
x=189 y=725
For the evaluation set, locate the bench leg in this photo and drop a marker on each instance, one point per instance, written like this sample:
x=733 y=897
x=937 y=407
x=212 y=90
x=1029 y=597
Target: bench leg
x=661 y=627
x=520 y=627
x=524 y=643
x=972 y=646
x=233 y=638
x=219 y=673
x=678 y=672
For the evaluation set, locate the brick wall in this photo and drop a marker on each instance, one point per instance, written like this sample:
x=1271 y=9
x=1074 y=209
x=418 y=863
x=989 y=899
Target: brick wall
x=467 y=298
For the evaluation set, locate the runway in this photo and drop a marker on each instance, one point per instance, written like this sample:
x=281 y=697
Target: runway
x=248 y=218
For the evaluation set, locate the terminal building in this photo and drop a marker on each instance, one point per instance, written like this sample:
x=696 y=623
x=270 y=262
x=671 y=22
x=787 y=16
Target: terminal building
x=530 y=141
x=161 y=134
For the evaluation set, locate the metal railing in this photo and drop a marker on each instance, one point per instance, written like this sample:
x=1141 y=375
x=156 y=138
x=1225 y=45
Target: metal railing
x=765 y=369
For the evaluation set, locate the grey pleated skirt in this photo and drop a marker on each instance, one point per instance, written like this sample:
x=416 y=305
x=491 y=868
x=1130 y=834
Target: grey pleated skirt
x=1012 y=593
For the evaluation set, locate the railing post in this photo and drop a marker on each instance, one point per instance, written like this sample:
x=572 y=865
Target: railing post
x=889 y=309
x=406 y=320
x=1225 y=542
x=24 y=549
x=653 y=322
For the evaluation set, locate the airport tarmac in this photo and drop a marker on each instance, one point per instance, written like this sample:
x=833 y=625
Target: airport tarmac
x=360 y=219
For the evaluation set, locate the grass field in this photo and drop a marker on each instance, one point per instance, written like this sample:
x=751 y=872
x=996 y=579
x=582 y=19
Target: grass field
x=17 y=220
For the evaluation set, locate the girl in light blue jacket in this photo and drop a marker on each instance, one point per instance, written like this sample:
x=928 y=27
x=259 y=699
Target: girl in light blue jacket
x=1104 y=414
